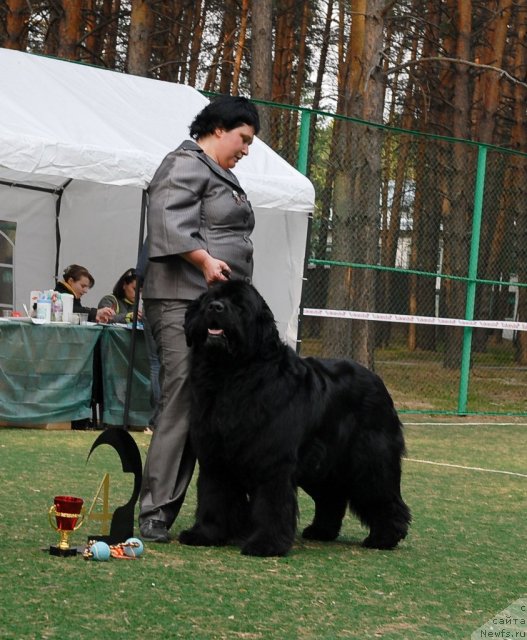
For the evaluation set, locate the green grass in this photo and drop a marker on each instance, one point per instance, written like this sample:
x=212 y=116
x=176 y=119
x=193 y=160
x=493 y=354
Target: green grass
x=463 y=561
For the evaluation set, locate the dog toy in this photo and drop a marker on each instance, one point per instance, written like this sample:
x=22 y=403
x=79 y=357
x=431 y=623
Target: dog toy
x=130 y=549
x=133 y=547
x=97 y=551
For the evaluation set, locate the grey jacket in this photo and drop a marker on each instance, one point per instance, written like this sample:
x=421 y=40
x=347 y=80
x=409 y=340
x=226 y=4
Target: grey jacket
x=194 y=204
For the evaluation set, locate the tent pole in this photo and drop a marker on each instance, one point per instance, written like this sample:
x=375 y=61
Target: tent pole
x=59 y=193
x=131 y=353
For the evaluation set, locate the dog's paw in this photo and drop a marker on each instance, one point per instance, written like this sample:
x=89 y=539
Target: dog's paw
x=384 y=542
x=196 y=537
x=264 y=548
x=315 y=533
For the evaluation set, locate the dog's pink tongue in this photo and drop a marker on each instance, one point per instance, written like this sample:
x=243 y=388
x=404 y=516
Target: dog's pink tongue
x=216 y=332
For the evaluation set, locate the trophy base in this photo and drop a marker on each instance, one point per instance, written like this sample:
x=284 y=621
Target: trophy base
x=63 y=553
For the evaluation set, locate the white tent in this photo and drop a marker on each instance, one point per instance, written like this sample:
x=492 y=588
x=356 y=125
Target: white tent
x=91 y=139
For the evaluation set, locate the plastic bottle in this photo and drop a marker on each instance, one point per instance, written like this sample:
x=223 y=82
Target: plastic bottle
x=56 y=307
x=44 y=309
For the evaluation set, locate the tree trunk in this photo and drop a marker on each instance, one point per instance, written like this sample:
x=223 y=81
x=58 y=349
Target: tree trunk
x=395 y=183
x=16 y=25
x=286 y=45
x=111 y=11
x=262 y=60
x=424 y=255
x=458 y=209
x=358 y=179
x=140 y=42
x=519 y=141
x=424 y=252
x=493 y=225
x=240 y=46
x=70 y=29
x=199 y=17
x=229 y=34
x=91 y=39
x=51 y=38
x=324 y=46
x=210 y=82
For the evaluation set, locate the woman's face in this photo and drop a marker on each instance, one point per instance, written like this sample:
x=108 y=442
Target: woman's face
x=129 y=290
x=80 y=286
x=233 y=145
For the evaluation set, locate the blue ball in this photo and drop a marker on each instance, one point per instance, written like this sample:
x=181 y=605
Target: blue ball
x=133 y=547
x=100 y=551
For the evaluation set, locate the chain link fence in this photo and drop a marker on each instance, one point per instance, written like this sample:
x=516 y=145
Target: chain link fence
x=417 y=260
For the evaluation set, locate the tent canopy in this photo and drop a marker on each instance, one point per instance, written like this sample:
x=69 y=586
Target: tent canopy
x=92 y=139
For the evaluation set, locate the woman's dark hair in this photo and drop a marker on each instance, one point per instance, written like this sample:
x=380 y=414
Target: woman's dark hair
x=128 y=276
x=76 y=272
x=225 y=112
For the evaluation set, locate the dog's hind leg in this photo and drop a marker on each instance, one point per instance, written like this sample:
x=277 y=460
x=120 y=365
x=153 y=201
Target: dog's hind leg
x=330 y=508
x=388 y=521
x=374 y=479
x=377 y=501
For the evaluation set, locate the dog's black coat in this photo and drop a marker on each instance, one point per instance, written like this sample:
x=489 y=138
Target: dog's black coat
x=265 y=421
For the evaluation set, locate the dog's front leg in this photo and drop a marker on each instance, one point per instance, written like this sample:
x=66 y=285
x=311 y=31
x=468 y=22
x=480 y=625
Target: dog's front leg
x=274 y=516
x=219 y=502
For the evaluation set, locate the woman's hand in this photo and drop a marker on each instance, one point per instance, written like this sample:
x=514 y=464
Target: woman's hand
x=104 y=315
x=213 y=270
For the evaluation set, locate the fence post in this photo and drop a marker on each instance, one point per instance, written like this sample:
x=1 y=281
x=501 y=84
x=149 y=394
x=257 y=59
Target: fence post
x=472 y=275
x=303 y=146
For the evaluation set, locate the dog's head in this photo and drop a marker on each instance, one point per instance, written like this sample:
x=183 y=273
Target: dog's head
x=231 y=319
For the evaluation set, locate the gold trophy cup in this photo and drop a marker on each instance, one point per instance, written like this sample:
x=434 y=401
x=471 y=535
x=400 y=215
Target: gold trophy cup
x=65 y=516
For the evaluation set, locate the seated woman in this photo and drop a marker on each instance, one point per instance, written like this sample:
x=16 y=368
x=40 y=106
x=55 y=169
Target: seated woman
x=122 y=298
x=77 y=281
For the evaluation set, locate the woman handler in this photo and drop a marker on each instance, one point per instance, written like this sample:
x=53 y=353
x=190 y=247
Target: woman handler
x=199 y=225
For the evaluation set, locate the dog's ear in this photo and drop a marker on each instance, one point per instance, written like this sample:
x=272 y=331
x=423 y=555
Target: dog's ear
x=191 y=319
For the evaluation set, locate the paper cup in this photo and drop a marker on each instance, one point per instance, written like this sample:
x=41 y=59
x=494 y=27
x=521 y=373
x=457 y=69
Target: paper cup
x=67 y=306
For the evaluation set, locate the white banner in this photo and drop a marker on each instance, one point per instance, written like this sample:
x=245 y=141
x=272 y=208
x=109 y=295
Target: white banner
x=395 y=317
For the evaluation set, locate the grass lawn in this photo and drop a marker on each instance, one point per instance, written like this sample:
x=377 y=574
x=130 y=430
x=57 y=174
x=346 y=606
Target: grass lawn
x=463 y=561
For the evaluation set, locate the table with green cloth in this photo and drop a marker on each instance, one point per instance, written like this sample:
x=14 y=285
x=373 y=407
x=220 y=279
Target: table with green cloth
x=115 y=353
x=47 y=373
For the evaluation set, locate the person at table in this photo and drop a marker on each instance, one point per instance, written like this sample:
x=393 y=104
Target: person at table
x=77 y=281
x=122 y=298
x=199 y=226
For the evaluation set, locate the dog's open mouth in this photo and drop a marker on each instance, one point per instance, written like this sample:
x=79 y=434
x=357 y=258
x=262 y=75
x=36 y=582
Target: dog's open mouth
x=216 y=333
x=217 y=339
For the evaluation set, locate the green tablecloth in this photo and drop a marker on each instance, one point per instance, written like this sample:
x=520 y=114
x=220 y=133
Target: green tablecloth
x=115 y=349
x=47 y=373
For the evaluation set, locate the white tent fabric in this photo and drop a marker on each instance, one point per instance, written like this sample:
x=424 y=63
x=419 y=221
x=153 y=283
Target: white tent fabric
x=103 y=134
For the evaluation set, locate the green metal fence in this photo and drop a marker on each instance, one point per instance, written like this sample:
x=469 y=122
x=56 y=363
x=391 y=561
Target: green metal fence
x=417 y=260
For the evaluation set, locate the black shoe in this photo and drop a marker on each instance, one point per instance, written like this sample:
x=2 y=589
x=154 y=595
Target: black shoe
x=154 y=531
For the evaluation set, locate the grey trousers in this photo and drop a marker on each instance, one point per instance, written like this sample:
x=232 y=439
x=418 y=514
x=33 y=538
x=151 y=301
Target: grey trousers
x=169 y=463
x=153 y=361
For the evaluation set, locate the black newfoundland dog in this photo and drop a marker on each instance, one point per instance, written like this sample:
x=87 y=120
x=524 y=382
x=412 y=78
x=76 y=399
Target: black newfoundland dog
x=265 y=421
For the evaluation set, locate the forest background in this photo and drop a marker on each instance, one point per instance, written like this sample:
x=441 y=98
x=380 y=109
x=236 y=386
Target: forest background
x=391 y=88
